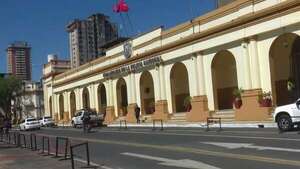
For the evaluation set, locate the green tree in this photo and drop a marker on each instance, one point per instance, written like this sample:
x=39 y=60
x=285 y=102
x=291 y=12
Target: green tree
x=10 y=89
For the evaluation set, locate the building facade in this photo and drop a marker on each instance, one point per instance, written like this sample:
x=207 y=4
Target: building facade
x=87 y=36
x=19 y=60
x=32 y=99
x=221 y=3
x=53 y=68
x=193 y=69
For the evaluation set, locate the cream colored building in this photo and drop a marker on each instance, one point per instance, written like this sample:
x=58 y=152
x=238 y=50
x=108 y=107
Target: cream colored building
x=248 y=44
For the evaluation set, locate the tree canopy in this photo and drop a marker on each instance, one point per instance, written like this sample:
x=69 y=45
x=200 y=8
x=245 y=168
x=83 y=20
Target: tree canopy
x=10 y=88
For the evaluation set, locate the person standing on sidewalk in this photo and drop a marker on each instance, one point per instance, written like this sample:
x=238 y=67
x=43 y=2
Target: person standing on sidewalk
x=7 y=125
x=137 y=114
x=1 y=123
x=86 y=120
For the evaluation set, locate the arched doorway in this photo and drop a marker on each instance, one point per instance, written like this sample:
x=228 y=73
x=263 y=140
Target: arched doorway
x=72 y=103
x=285 y=68
x=61 y=107
x=102 y=98
x=122 y=99
x=50 y=106
x=147 y=93
x=224 y=78
x=86 y=98
x=179 y=87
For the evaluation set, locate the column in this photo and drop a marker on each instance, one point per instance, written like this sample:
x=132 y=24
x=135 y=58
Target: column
x=157 y=74
x=66 y=106
x=250 y=109
x=162 y=82
x=195 y=76
x=201 y=79
x=55 y=107
x=247 y=75
x=199 y=104
x=254 y=63
x=96 y=99
x=110 y=115
x=161 y=106
x=132 y=99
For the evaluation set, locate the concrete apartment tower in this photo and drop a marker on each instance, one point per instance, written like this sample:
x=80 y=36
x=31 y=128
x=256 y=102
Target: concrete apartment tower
x=19 y=60
x=87 y=36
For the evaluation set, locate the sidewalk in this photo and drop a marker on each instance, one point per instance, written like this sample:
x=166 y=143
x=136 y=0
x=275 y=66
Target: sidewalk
x=16 y=158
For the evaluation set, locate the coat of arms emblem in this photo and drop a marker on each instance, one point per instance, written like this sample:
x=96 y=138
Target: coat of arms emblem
x=127 y=49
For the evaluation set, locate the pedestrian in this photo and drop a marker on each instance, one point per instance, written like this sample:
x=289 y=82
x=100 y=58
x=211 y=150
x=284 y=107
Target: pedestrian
x=86 y=120
x=1 y=123
x=7 y=125
x=137 y=113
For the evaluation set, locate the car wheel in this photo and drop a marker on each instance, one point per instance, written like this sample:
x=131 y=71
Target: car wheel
x=73 y=124
x=284 y=123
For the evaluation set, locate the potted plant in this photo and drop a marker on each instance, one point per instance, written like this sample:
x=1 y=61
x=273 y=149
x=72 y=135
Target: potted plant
x=237 y=93
x=187 y=103
x=265 y=99
x=151 y=107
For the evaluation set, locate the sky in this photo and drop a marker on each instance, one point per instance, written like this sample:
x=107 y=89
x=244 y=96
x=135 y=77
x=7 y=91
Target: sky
x=42 y=23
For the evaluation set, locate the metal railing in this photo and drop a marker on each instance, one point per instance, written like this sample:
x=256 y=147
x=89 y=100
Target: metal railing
x=161 y=124
x=214 y=120
x=88 y=163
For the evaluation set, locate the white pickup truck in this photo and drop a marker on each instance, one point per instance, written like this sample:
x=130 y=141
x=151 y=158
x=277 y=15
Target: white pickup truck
x=96 y=119
x=287 y=116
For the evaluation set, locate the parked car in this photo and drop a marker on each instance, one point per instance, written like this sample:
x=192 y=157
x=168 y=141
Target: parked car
x=29 y=123
x=287 y=116
x=46 y=121
x=96 y=119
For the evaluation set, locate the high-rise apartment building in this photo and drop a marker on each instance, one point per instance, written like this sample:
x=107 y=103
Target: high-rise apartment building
x=19 y=60
x=86 y=37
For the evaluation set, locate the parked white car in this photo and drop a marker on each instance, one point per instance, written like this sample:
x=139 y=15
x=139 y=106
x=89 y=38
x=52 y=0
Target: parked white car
x=29 y=123
x=95 y=118
x=46 y=121
x=287 y=116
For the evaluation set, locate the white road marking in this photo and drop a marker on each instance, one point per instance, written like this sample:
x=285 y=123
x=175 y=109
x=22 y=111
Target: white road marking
x=84 y=161
x=200 y=135
x=248 y=145
x=184 y=163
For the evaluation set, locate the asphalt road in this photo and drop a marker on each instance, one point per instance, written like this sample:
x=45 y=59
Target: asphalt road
x=143 y=148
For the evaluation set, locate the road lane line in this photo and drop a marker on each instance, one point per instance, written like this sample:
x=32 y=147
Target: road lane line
x=199 y=135
x=194 y=151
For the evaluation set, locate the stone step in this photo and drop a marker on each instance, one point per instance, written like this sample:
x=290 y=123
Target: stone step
x=178 y=118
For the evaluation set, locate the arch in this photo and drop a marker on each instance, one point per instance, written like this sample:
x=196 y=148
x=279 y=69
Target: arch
x=179 y=87
x=61 y=107
x=50 y=106
x=72 y=103
x=224 y=77
x=147 y=93
x=284 y=66
x=122 y=98
x=102 y=101
x=86 y=98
